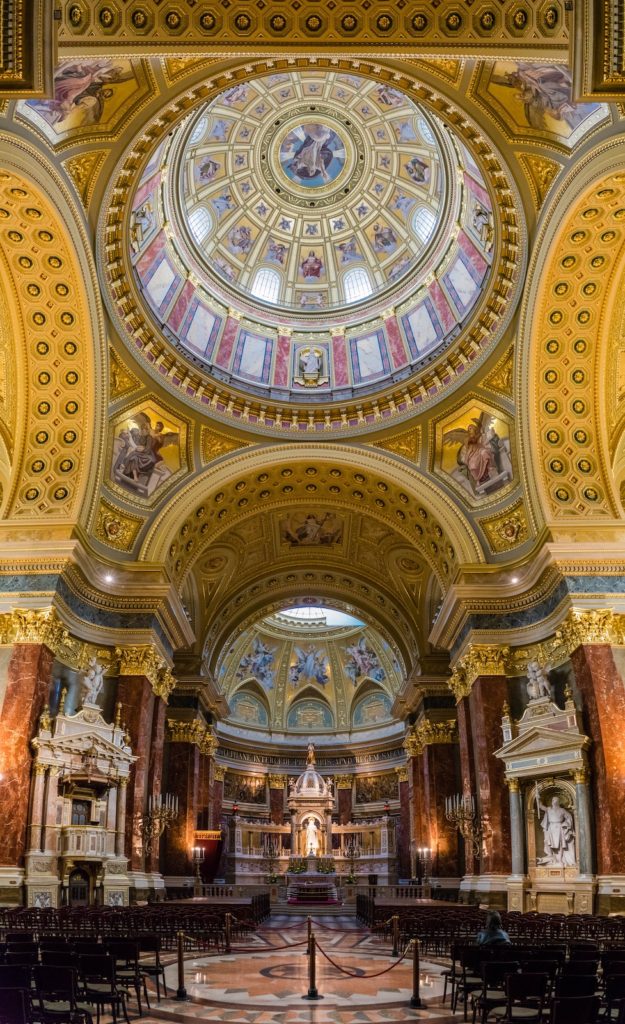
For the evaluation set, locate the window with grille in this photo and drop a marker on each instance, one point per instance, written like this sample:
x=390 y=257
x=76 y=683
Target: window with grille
x=266 y=285
x=356 y=284
x=200 y=223
x=424 y=221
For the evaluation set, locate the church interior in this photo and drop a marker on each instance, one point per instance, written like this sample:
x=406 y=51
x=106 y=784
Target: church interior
x=312 y=505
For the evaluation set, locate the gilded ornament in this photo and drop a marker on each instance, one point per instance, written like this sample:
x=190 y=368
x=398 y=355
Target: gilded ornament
x=581 y=776
x=500 y=378
x=195 y=732
x=541 y=172
x=344 y=781
x=146 y=661
x=116 y=528
x=513 y=785
x=479 y=660
x=121 y=380
x=215 y=444
x=506 y=529
x=219 y=773
x=83 y=170
x=426 y=733
x=276 y=781
x=402 y=774
x=406 y=444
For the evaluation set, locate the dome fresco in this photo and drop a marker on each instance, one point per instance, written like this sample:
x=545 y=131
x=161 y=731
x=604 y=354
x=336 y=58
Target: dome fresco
x=303 y=676
x=312 y=235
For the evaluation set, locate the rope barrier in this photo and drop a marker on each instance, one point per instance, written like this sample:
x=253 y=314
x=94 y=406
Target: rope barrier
x=355 y=974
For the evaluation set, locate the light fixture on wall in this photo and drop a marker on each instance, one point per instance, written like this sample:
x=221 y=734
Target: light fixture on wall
x=161 y=814
x=461 y=814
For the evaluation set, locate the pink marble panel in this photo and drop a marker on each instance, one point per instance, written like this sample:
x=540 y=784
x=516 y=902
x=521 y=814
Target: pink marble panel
x=442 y=307
x=181 y=305
x=228 y=338
x=472 y=253
x=339 y=361
x=283 y=352
x=397 y=349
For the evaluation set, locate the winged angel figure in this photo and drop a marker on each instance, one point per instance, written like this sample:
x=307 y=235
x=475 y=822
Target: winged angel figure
x=482 y=457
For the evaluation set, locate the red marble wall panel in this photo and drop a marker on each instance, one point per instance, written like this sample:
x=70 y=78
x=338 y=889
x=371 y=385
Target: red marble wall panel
x=603 y=693
x=203 y=791
x=403 y=845
x=283 y=355
x=29 y=674
x=399 y=355
x=137 y=699
x=217 y=798
x=486 y=704
x=440 y=781
x=276 y=805
x=183 y=764
x=344 y=806
x=339 y=361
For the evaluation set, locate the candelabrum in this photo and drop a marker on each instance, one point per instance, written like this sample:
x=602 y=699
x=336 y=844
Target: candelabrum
x=162 y=812
x=461 y=814
x=424 y=855
x=352 y=852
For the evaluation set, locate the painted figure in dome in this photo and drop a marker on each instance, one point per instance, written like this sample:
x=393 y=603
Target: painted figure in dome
x=313 y=155
x=311 y=266
x=418 y=170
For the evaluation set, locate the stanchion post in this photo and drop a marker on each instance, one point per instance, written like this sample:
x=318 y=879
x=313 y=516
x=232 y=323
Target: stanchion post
x=228 y=925
x=395 y=949
x=309 y=935
x=181 y=992
x=312 y=971
x=415 y=999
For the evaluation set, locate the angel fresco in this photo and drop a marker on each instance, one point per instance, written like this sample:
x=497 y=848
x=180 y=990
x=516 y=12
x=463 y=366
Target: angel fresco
x=138 y=465
x=80 y=91
x=362 y=661
x=311 y=665
x=483 y=464
x=258 y=662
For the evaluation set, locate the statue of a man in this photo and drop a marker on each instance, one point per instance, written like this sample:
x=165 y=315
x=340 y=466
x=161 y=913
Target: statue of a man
x=558 y=833
x=312 y=837
x=92 y=681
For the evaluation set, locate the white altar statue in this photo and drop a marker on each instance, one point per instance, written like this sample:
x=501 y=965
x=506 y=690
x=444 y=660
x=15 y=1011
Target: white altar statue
x=538 y=684
x=558 y=833
x=92 y=682
x=312 y=838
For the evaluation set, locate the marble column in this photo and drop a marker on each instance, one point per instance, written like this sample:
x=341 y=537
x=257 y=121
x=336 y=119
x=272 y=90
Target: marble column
x=51 y=826
x=137 y=698
x=486 y=702
x=439 y=782
x=467 y=772
x=155 y=777
x=517 y=831
x=217 y=796
x=29 y=675
x=403 y=840
x=183 y=761
x=36 y=808
x=328 y=849
x=602 y=689
x=120 y=819
x=417 y=822
x=584 y=823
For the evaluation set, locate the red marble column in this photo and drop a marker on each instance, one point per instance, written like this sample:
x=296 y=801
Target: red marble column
x=439 y=782
x=137 y=699
x=467 y=772
x=182 y=773
x=403 y=849
x=486 y=707
x=344 y=799
x=155 y=776
x=29 y=675
x=276 y=805
x=217 y=797
x=203 y=791
x=603 y=693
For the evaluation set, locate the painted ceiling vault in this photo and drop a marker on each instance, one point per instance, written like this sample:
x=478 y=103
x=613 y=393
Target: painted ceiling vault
x=311 y=330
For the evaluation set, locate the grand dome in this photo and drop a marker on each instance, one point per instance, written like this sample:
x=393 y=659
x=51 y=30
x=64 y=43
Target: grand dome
x=312 y=236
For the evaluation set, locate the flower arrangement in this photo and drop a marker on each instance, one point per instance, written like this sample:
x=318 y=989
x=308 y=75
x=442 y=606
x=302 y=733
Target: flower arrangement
x=325 y=865
x=297 y=865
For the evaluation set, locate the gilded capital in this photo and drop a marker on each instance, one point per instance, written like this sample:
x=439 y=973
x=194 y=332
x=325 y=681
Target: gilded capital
x=402 y=773
x=581 y=776
x=478 y=660
x=513 y=785
x=276 y=781
x=146 y=661
x=219 y=772
x=344 y=781
x=426 y=733
x=195 y=732
x=599 y=626
x=412 y=746
x=27 y=626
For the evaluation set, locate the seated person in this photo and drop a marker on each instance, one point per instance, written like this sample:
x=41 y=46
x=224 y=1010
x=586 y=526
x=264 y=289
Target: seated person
x=493 y=934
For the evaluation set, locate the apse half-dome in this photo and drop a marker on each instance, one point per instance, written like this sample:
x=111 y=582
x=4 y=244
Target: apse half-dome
x=311 y=236
x=309 y=672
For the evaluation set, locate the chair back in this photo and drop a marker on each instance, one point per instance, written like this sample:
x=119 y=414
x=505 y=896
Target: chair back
x=528 y=990
x=576 y=985
x=56 y=957
x=14 y=977
x=19 y=937
x=575 y=1010
x=26 y=959
x=96 y=967
x=14 y=1006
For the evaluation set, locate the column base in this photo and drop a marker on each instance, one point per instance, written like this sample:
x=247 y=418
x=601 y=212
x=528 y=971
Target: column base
x=41 y=880
x=11 y=883
x=557 y=896
x=610 y=897
x=488 y=890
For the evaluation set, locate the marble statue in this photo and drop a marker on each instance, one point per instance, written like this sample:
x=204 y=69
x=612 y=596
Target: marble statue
x=92 y=681
x=538 y=684
x=312 y=838
x=558 y=833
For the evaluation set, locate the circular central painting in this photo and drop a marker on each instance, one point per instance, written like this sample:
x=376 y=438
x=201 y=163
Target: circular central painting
x=312 y=155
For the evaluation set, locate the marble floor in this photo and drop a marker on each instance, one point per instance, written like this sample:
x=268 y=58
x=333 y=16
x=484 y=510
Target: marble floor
x=359 y=981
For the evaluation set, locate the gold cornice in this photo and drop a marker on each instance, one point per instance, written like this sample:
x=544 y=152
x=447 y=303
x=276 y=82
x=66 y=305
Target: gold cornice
x=479 y=660
x=43 y=626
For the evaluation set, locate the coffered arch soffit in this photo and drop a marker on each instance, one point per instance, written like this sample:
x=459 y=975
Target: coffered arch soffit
x=58 y=355
x=346 y=479
x=567 y=343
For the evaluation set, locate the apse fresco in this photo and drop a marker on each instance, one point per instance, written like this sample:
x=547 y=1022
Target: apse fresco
x=245 y=707
x=89 y=94
x=147 y=450
x=474 y=451
x=374 y=708
x=536 y=99
x=310 y=715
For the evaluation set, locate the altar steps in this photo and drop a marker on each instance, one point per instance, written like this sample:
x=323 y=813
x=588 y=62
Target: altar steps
x=303 y=910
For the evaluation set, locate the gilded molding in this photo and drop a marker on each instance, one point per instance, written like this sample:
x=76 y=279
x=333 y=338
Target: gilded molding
x=479 y=660
x=507 y=529
x=402 y=774
x=146 y=661
x=426 y=733
x=115 y=528
x=219 y=773
x=344 y=781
